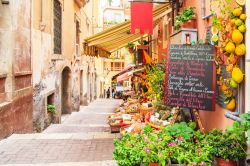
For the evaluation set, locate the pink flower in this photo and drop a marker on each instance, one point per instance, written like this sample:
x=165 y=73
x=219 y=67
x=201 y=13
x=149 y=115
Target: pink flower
x=147 y=150
x=170 y=153
x=199 y=151
x=171 y=144
x=202 y=163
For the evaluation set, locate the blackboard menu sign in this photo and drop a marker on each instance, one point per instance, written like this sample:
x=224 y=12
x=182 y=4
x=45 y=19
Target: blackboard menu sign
x=191 y=77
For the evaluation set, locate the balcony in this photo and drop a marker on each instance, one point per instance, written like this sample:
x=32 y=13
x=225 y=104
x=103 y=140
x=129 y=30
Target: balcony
x=81 y=3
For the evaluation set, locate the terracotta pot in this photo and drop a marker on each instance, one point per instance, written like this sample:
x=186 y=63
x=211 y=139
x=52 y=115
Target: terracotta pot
x=153 y=164
x=222 y=162
x=190 y=24
x=130 y=50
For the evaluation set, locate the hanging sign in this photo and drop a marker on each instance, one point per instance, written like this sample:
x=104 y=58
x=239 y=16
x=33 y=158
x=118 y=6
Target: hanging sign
x=141 y=17
x=191 y=77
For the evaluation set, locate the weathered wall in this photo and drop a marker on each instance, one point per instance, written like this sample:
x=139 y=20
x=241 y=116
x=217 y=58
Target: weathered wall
x=15 y=71
x=59 y=75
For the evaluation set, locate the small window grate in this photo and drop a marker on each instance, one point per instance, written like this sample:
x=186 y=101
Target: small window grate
x=57 y=27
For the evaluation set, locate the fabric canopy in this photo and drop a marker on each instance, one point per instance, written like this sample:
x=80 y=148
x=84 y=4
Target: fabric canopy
x=118 y=36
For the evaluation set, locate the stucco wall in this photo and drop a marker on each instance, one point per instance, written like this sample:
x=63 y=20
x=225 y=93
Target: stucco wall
x=15 y=71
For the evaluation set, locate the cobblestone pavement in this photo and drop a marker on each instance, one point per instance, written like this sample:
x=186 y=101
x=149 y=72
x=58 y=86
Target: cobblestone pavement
x=83 y=139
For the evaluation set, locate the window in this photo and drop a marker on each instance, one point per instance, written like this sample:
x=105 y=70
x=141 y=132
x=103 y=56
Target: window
x=77 y=38
x=117 y=66
x=57 y=27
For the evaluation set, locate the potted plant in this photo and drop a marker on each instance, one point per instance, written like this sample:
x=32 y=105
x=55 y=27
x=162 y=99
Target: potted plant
x=130 y=46
x=185 y=19
x=228 y=146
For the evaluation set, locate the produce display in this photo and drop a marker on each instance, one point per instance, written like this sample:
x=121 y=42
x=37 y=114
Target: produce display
x=228 y=37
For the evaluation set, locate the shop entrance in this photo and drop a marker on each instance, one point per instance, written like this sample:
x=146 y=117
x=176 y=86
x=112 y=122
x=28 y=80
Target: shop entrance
x=66 y=91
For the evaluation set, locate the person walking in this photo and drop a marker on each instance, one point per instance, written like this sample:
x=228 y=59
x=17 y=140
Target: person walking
x=108 y=93
x=113 y=93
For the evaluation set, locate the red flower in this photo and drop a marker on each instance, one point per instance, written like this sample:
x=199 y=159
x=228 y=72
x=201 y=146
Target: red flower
x=170 y=153
x=171 y=144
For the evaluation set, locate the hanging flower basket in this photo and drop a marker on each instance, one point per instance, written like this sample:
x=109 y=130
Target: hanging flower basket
x=190 y=24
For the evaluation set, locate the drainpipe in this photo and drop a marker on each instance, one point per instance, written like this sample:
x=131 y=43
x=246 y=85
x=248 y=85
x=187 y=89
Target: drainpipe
x=247 y=59
x=203 y=11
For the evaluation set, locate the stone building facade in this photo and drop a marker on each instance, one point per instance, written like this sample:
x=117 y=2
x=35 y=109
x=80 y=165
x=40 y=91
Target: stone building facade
x=62 y=77
x=42 y=62
x=16 y=67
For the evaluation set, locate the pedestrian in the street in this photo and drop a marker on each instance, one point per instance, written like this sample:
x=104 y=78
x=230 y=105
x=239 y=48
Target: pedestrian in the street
x=113 y=93
x=108 y=93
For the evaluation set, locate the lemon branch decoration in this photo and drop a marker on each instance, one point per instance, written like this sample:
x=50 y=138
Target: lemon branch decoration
x=228 y=31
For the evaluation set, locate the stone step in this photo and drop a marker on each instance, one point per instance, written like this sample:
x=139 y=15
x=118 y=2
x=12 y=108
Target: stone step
x=72 y=128
x=92 y=163
x=59 y=136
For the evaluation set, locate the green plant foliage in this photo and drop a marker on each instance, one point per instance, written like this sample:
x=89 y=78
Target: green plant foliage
x=130 y=45
x=246 y=123
x=155 y=78
x=183 y=16
x=51 y=108
x=230 y=144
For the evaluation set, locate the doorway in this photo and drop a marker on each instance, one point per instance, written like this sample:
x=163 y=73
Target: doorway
x=66 y=91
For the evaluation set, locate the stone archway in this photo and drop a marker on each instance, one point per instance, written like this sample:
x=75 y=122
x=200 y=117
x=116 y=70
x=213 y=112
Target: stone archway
x=66 y=91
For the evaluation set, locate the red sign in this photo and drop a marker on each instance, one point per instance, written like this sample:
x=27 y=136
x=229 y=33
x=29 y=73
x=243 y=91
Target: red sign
x=142 y=17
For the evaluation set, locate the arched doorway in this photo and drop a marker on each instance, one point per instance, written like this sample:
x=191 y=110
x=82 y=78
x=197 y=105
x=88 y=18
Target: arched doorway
x=66 y=91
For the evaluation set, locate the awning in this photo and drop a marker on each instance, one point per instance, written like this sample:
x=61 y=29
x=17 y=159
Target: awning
x=124 y=76
x=118 y=36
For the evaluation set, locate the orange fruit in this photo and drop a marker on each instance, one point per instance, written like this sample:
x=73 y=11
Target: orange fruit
x=231 y=105
x=229 y=68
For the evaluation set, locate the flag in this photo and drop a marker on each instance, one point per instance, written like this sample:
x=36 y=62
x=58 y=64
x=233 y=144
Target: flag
x=146 y=58
x=142 y=17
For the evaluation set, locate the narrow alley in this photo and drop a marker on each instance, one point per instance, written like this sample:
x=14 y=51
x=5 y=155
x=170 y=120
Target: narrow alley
x=83 y=138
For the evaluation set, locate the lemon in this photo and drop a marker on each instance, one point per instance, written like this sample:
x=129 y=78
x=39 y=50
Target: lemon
x=242 y=28
x=233 y=84
x=232 y=21
x=241 y=2
x=243 y=17
x=240 y=50
x=237 y=12
x=237 y=36
x=230 y=47
x=237 y=75
x=215 y=38
x=231 y=105
x=238 y=22
x=214 y=30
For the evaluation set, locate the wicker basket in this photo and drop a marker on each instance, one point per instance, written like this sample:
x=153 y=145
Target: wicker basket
x=115 y=128
x=143 y=110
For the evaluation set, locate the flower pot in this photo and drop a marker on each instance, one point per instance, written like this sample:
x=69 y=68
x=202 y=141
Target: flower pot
x=130 y=50
x=190 y=24
x=222 y=162
x=153 y=164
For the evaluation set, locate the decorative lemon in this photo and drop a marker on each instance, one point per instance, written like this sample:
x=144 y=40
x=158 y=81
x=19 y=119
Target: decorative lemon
x=243 y=17
x=230 y=47
x=233 y=84
x=231 y=105
x=237 y=75
x=215 y=38
x=232 y=21
x=237 y=12
x=240 y=50
x=214 y=30
x=237 y=36
x=238 y=22
x=241 y=2
x=242 y=28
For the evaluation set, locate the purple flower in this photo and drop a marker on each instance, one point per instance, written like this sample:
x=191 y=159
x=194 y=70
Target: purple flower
x=147 y=150
x=171 y=144
x=202 y=163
